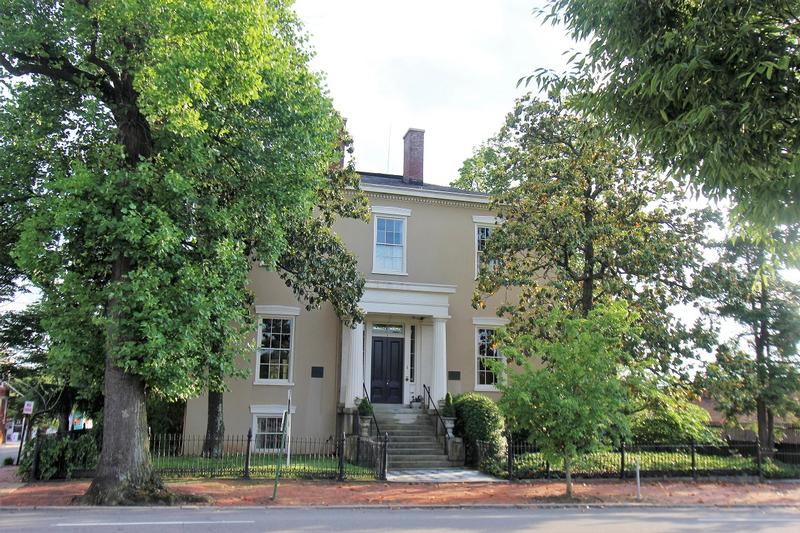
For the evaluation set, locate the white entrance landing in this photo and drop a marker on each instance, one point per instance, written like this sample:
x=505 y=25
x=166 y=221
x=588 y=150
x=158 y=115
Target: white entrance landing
x=439 y=475
x=426 y=306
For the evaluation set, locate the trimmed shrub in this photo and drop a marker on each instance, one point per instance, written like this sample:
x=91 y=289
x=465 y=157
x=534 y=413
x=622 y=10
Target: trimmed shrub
x=449 y=410
x=8 y=461
x=59 y=457
x=479 y=419
x=365 y=407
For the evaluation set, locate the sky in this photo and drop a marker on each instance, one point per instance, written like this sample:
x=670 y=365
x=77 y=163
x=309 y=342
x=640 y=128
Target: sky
x=448 y=67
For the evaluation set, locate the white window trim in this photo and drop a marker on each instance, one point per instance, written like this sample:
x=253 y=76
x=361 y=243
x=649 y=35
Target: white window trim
x=478 y=387
x=404 y=220
x=255 y=430
x=277 y=310
x=268 y=411
x=486 y=220
x=489 y=321
x=390 y=210
x=482 y=221
x=477 y=263
x=283 y=382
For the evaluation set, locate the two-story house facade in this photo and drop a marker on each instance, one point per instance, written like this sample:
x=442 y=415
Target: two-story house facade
x=419 y=254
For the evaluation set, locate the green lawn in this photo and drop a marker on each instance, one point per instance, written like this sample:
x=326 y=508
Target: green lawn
x=607 y=464
x=261 y=466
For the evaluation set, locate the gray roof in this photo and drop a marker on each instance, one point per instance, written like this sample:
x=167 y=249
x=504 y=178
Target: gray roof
x=395 y=180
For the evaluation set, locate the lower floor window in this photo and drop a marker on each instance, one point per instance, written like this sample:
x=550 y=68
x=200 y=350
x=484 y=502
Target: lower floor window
x=268 y=433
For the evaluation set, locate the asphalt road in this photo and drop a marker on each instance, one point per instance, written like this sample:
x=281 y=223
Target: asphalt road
x=8 y=449
x=423 y=520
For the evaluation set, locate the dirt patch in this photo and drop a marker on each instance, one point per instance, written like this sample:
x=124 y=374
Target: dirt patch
x=322 y=493
x=8 y=474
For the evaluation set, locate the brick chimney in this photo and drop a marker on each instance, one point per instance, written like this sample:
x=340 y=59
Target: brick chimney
x=413 y=155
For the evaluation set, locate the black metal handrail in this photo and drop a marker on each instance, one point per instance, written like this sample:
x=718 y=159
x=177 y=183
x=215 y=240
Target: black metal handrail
x=374 y=420
x=428 y=402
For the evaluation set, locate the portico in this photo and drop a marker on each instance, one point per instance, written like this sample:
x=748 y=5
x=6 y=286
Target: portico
x=401 y=346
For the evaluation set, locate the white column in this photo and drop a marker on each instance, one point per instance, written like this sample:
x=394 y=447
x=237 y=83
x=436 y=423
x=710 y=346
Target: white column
x=439 y=382
x=352 y=364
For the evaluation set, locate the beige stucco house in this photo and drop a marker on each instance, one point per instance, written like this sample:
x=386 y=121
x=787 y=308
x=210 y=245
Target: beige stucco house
x=419 y=254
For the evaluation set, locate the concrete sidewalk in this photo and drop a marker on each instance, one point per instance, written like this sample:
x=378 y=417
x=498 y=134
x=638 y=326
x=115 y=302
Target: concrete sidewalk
x=360 y=494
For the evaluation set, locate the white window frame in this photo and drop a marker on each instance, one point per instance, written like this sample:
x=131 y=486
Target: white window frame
x=290 y=316
x=255 y=431
x=269 y=411
x=390 y=213
x=481 y=221
x=480 y=323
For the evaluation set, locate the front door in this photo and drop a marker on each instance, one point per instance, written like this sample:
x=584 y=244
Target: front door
x=387 y=370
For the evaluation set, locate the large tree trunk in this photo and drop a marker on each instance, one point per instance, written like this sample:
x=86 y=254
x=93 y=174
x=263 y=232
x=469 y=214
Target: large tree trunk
x=587 y=289
x=65 y=410
x=124 y=472
x=568 y=474
x=215 y=427
x=761 y=342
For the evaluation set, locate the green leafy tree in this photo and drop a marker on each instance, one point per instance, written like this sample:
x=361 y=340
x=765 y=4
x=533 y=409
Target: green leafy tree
x=315 y=264
x=711 y=88
x=759 y=371
x=165 y=146
x=483 y=171
x=590 y=222
x=576 y=400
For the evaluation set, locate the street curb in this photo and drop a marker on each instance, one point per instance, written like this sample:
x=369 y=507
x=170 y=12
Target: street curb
x=618 y=505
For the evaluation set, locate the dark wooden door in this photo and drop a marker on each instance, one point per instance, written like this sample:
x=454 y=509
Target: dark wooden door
x=387 y=370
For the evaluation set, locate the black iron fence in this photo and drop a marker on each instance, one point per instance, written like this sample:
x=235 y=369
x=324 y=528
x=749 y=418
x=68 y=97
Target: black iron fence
x=523 y=460
x=235 y=456
x=348 y=457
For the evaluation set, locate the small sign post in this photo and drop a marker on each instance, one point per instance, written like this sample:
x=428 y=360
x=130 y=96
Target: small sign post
x=27 y=411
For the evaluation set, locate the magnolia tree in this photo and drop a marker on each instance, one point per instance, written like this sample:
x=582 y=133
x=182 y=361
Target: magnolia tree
x=585 y=220
x=576 y=400
x=159 y=149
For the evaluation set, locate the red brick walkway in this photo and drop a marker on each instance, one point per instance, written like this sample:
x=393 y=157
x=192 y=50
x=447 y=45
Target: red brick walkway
x=303 y=493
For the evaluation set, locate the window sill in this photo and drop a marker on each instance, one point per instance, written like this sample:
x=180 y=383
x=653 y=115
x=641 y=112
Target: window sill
x=486 y=388
x=279 y=382
x=390 y=273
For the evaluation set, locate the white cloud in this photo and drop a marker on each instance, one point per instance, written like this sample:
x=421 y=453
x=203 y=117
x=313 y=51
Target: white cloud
x=448 y=67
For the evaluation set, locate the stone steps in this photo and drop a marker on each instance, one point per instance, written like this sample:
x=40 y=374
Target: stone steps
x=412 y=438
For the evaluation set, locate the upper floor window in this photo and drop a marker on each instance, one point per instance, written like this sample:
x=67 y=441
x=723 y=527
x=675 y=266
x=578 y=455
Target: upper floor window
x=389 y=256
x=482 y=234
x=484 y=225
x=275 y=350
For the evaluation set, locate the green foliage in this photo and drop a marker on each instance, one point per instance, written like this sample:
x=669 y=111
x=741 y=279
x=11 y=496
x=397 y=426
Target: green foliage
x=155 y=152
x=759 y=371
x=673 y=426
x=484 y=171
x=711 y=88
x=231 y=158
x=449 y=409
x=365 y=407
x=165 y=418
x=59 y=458
x=576 y=400
x=478 y=418
x=590 y=221
x=8 y=461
